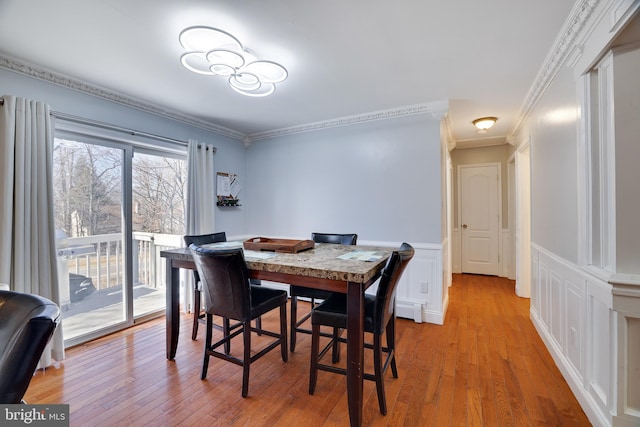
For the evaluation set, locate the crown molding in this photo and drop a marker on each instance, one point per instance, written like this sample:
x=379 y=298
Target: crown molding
x=563 y=47
x=436 y=109
x=481 y=142
x=447 y=132
x=15 y=65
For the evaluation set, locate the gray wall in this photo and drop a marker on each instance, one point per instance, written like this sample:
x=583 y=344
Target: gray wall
x=381 y=180
x=230 y=156
x=552 y=128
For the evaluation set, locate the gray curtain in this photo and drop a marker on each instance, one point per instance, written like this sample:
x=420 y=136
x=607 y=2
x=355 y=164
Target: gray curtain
x=27 y=230
x=201 y=201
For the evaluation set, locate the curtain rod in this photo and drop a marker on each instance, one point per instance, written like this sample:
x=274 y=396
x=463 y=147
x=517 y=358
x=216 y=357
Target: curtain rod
x=82 y=120
x=132 y=132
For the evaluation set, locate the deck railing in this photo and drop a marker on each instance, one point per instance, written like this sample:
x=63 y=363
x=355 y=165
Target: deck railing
x=101 y=257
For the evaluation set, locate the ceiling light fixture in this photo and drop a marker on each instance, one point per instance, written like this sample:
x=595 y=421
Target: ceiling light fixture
x=214 y=52
x=484 y=123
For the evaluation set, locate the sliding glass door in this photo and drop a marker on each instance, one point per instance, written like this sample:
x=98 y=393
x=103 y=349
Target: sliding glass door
x=116 y=206
x=88 y=206
x=158 y=223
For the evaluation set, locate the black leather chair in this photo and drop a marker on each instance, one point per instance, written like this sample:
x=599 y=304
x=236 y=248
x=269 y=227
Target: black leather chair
x=201 y=239
x=27 y=323
x=301 y=291
x=198 y=314
x=379 y=317
x=229 y=293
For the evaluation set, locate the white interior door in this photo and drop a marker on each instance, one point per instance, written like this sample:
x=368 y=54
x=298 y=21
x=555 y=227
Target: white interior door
x=480 y=218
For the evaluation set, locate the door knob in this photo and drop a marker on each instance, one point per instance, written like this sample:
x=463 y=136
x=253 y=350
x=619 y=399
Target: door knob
x=464 y=225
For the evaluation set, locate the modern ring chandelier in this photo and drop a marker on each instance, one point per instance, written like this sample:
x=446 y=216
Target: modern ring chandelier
x=211 y=51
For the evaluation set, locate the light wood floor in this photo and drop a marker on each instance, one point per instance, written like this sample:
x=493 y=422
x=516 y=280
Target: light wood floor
x=486 y=366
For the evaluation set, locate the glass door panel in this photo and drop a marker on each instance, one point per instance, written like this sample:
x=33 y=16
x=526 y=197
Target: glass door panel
x=89 y=232
x=158 y=224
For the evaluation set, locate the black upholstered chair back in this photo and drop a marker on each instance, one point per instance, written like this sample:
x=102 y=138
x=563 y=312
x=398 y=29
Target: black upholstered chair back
x=225 y=282
x=338 y=239
x=386 y=294
x=27 y=323
x=203 y=239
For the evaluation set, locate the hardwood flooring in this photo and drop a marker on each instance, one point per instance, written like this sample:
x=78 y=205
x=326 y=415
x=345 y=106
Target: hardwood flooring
x=486 y=366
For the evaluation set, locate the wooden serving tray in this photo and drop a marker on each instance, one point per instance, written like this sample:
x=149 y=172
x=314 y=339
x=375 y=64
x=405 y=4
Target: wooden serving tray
x=278 y=245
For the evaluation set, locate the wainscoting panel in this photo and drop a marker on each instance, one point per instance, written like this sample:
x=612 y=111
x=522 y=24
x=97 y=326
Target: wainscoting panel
x=573 y=313
x=543 y=292
x=556 y=304
x=422 y=293
x=600 y=335
x=626 y=305
x=632 y=357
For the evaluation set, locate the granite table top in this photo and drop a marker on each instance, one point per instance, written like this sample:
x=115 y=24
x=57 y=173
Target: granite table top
x=322 y=261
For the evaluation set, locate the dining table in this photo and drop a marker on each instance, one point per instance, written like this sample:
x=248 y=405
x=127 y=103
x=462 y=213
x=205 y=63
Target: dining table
x=349 y=269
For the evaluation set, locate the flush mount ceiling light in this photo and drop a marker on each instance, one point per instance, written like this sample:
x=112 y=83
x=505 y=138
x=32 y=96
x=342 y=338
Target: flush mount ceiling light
x=484 y=123
x=214 y=52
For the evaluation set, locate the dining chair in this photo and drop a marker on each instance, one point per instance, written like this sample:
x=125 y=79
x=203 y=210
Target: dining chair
x=202 y=239
x=198 y=314
x=229 y=293
x=379 y=317
x=27 y=323
x=301 y=291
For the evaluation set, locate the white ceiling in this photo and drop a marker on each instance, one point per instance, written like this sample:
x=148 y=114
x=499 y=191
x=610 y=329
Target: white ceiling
x=344 y=57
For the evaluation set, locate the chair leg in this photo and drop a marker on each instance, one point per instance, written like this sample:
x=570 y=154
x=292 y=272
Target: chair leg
x=391 y=344
x=283 y=332
x=207 y=345
x=294 y=319
x=226 y=326
x=196 y=313
x=335 y=352
x=377 y=362
x=259 y=319
x=246 y=364
x=313 y=366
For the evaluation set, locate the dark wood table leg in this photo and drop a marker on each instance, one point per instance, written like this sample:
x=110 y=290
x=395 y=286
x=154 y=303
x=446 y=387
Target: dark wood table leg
x=173 y=308
x=355 y=350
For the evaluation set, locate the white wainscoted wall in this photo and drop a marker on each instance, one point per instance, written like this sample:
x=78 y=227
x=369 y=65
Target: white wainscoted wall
x=584 y=151
x=422 y=293
x=592 y=330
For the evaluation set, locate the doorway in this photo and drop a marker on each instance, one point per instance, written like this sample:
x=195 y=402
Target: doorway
x=480 y=207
